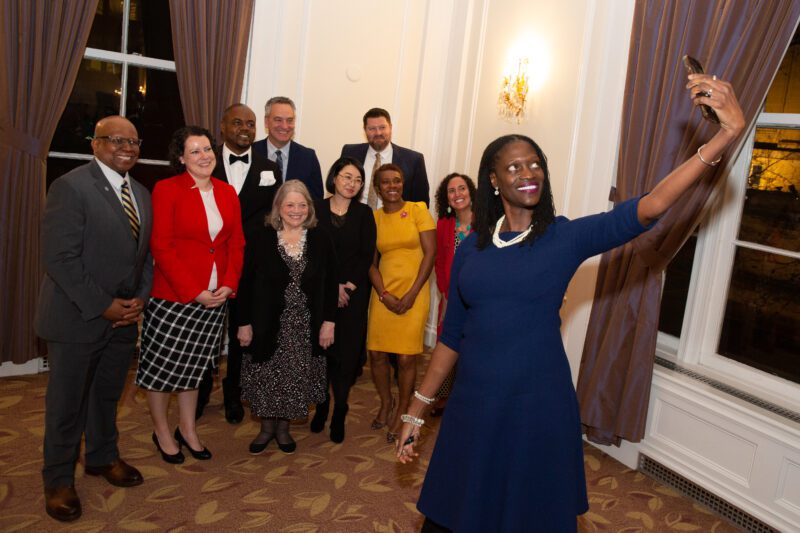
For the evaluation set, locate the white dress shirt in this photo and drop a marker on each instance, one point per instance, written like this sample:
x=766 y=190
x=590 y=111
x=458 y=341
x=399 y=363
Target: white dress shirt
x=237 y=172
x=369 y=162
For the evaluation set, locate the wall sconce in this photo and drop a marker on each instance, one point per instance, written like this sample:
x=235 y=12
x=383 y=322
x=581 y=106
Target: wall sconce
x=514 y=93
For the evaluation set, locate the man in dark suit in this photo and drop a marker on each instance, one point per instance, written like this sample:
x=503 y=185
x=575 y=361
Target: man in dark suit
x=380 y=149
x=296 y=161
x=256 y=179
x=98 y=273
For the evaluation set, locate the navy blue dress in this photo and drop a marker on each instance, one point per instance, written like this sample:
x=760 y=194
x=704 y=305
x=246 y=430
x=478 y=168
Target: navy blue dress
x=509 y=454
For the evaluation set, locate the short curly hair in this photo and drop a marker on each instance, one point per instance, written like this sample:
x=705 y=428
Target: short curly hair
x=441 y=194
x=178 y=145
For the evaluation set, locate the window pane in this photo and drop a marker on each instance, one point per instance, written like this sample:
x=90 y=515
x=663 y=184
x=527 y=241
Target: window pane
x=771 y=213
x=761 y=327
x=676 y=289
x=154 y=106
x=106 y=33
x=57 y=167
x=95 y=95
x=148 y=175
x=784 y=94
x=149 y=31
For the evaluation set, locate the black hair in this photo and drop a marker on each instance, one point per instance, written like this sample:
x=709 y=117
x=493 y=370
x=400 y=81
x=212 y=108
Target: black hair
x=337 y=167
x=441 y=194
x=489 y=207
x=178 y=144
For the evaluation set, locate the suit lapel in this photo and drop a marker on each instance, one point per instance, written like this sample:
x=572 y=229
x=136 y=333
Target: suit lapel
x=107 y=192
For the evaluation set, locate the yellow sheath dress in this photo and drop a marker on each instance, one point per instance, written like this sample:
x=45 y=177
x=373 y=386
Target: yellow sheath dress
x=401 y=254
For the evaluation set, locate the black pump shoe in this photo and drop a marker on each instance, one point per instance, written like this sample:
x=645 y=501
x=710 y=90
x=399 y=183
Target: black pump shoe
x=175 y=458
x=320 y=416
x=288 y=448
x=202 y=455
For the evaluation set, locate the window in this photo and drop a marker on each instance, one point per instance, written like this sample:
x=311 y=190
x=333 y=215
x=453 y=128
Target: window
x=128 y=69
x=738 y=316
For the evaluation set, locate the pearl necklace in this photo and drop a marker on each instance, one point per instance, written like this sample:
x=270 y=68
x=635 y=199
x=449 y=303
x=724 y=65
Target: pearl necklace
x=500 y=243
x=293 y=250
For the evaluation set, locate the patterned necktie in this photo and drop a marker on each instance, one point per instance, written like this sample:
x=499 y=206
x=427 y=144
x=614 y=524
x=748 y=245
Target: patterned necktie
x=130 y=210
x=279 y=162
x=372 y=195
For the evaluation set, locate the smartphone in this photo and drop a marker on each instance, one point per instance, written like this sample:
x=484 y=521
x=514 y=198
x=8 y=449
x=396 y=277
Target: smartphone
x=693 y=66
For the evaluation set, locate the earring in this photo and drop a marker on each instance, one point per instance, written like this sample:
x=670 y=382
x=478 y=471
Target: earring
x=497 y=191
x=449 y=209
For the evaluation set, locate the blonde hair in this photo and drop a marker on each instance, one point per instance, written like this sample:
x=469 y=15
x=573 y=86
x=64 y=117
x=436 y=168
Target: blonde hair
x=274 y=217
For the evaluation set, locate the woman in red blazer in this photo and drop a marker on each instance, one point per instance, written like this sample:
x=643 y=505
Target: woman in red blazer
x=198 y=247
x=454 y=199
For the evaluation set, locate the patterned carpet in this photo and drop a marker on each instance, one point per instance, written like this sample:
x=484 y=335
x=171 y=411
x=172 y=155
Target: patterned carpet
x=351 y=487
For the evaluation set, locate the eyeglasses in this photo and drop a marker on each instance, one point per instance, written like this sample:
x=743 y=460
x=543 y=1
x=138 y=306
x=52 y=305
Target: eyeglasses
x=350 y=179
x=119 y=141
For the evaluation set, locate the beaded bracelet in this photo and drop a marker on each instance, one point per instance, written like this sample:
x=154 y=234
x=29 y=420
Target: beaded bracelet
x=423 y=399
x=413 y=420
x=709 y=163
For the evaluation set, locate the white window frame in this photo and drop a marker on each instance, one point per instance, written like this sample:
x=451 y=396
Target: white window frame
x=125 y=59
x=711 y=271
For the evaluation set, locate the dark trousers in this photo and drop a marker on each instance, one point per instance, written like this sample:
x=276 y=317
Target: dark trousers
x=83 y=388
x=233 y=380
x=234 y=372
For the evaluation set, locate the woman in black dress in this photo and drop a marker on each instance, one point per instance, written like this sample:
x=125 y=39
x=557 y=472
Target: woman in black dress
x=287 y=308
x=351 y=224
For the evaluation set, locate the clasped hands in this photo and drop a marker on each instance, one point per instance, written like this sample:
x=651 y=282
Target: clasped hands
x=210 y=299
x=400 y=305
x=123 y=312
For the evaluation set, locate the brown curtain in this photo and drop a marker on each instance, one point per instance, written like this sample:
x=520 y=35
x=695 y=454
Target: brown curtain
x=210 y=39
x=41 y=47
x=738 y=40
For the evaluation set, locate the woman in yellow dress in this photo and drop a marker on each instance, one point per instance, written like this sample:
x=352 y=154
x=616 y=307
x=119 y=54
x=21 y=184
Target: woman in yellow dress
x=398 y=308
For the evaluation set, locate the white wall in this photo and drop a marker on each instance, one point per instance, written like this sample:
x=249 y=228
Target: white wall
x=436 y=65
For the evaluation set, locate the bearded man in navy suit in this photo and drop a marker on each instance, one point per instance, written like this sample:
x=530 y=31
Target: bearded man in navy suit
x=379 y=146
x=256 y=179
x=297 y=162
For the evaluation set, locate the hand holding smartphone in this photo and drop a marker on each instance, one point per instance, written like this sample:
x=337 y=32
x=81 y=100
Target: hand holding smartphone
x=693 y=66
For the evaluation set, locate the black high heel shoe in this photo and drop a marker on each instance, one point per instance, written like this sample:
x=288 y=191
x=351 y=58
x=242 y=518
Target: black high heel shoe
x=202 y=455
x=175 y=458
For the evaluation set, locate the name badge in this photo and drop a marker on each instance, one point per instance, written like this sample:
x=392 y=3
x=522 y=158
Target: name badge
x=267 y=178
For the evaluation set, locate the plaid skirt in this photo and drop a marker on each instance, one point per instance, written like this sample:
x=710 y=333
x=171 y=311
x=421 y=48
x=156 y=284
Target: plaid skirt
x=179 y=341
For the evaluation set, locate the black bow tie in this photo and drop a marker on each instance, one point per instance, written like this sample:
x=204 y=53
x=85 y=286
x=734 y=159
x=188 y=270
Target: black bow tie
x=233 y=158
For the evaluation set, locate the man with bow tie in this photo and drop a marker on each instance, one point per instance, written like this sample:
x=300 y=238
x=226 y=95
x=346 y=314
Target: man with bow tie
x=255 y=179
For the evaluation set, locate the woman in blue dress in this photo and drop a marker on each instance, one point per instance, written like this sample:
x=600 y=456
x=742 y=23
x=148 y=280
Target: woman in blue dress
x=509 y=455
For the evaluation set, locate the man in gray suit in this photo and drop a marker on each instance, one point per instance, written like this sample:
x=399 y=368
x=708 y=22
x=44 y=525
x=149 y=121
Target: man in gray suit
x=98 y=272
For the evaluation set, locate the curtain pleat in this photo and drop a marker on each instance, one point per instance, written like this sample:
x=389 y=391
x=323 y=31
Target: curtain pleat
x=41 y=47
x=210 y=39
x=742 y=41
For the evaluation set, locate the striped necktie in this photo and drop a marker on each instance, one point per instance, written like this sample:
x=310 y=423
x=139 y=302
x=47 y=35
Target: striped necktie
x=279 y=162
x=372 y=194
x=130 y=210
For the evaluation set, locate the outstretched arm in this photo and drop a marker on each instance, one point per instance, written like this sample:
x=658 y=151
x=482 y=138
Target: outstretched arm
x=721 y=98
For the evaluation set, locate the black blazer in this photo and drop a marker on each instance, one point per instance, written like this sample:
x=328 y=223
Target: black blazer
x=303 y=165
x=354 y=241
x=254 y=199
x=415 y=178
x=264 y=280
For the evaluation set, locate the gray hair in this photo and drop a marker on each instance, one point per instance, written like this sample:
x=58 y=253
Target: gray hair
x=278 y=100
x=274 y=217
